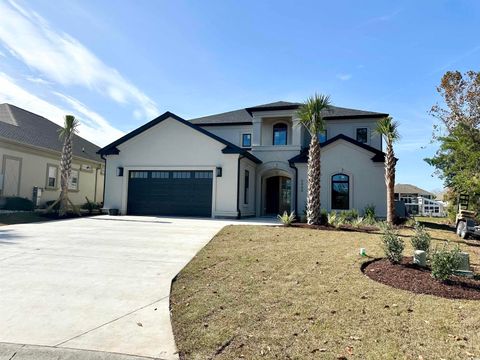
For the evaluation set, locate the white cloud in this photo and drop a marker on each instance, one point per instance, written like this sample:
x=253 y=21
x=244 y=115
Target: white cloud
x=344 y=77
x=38 y=80
x=61 y=58
x=93 y=127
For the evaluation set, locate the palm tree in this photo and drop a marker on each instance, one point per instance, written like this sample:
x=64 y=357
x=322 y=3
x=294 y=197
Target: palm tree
x=66 y=133
x=388 y=129
x=310 y=115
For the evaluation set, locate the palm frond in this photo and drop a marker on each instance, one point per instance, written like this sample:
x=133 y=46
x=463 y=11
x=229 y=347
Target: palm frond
x=389 y=129
x=311 y=113
x=70 y=126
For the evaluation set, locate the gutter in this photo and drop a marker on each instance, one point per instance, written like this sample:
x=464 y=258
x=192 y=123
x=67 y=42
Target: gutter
x=239 y=213
x=292 y=165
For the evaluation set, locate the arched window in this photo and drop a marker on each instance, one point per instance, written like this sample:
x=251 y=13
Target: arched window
x=340 y=192
x=280 y=134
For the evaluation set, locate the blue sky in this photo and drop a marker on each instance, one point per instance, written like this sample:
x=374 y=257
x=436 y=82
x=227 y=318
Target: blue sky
x=118 y=64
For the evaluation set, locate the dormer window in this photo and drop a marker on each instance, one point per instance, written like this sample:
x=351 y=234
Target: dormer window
x=246 y=140
x=280 y=134
x=362 y=135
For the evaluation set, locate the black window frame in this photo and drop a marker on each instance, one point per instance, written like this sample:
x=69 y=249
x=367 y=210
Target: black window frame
x=280 y=127
x=246 y=187
x=249 y=135
x=366 y=135
x=335 y=204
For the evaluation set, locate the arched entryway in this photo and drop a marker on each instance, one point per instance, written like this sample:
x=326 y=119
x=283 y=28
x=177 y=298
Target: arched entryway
x=277 y=195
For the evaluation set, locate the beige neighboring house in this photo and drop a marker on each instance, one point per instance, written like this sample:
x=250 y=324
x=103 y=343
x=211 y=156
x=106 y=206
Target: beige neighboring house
x=418 y=201
x=30 y=151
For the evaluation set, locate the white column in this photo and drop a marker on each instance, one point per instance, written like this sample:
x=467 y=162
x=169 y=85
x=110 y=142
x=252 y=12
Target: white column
x=296 y=132
x=257 y=131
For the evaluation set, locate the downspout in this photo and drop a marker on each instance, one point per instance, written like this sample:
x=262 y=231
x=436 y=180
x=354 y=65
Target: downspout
x=292 y=165
x=239 y=213
x=104 y=179
x=95 y=188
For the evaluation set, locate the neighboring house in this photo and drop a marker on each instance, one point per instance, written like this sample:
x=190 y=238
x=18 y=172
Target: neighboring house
x=30 y=151
x=418 y=201
x=247 y=162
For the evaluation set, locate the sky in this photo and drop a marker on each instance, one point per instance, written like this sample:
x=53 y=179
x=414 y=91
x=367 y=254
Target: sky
x=116 y=65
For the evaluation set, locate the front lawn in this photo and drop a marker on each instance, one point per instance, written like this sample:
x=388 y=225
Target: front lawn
x=290 y=293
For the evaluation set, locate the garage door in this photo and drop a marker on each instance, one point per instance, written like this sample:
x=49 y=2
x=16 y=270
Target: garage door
x=176 y=193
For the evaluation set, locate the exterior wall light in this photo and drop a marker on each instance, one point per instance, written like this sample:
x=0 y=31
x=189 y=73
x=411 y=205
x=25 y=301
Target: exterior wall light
x=119 y=171
x=219 y=172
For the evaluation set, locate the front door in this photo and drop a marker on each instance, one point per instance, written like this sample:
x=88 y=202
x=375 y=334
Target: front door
x=11 y=176
x=278 y=195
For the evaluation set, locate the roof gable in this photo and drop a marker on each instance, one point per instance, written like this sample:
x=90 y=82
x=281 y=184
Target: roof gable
x=379 y=156
x=230 y=148
x=27 y=128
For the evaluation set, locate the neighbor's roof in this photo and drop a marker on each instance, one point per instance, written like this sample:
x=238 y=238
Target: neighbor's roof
x=25 y=127
x=411 y=189
x=111 y=149
x=244 y=116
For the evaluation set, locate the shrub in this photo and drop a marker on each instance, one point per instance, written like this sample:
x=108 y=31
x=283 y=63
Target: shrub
x=286 y=219
x=351 y=215
x=444 y=262
x=421 y=239
x=323 y=216
x=91 y=206
x=369 y=214
x=358 y=222
x=393 y=245
x=332 y=218
x=16 y=203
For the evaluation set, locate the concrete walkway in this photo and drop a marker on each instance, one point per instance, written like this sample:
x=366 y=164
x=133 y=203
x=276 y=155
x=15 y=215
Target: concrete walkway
x=98 y=283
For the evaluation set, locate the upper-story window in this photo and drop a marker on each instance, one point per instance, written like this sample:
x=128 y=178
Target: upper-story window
x=280 y=131
x=362 y=135
x=247 y=140
x=322 y=136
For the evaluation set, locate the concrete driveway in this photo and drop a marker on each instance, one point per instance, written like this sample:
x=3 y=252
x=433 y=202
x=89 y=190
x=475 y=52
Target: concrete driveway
x=98 y=283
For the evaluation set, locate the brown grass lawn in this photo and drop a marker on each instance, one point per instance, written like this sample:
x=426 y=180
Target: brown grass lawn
x=289 y=293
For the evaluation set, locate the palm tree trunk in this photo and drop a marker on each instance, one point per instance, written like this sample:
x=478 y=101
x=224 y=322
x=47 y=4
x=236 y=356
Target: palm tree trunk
x=390 y=182
x=314 y=206
x=65 y=170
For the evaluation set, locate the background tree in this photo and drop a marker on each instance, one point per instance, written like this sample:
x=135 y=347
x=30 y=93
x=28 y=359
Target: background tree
x=66 y=133
x=311 y=115
x=457 y=161
x=388 y=129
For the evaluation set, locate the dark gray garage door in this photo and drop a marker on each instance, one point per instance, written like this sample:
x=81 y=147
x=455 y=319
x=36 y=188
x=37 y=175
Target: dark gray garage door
x=176 y=193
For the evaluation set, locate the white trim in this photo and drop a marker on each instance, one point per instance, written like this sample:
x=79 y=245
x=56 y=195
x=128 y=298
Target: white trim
x=127 y=169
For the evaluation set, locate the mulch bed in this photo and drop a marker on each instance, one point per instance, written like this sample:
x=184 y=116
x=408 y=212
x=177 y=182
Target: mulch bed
x=367 y=229
x=408 y=276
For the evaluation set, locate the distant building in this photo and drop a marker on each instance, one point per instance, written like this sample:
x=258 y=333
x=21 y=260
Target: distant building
x=418 y=201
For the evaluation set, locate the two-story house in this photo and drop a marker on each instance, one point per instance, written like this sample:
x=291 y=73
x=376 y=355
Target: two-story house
x=247 y=162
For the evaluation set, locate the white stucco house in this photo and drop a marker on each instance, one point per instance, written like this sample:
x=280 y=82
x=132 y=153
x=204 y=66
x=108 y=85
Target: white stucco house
x=247 y=162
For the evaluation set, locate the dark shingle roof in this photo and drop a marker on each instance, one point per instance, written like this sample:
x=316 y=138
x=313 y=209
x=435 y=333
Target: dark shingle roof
x=411 y=189
x=244 y=116
x=27 y=128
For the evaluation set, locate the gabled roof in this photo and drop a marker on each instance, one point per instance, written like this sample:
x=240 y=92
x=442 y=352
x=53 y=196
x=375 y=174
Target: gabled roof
x=230 y=148
x=379 y=156
x=411 y=189
x=25 y=127
x=244 y=116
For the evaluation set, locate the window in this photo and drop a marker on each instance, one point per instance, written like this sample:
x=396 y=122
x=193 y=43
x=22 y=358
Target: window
x=246 y=187
x=280 y=134
x=203 y=174
x=160 y=174
x=322 y=136
x=182 y=174
x=138 y=175
x=340 y=192
x=362 y=135
x=247 y=140
x=73 y=181
x=52 y=175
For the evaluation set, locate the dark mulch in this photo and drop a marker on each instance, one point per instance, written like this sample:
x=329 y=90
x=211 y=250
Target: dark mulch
x=367 y=229
x=408 y=276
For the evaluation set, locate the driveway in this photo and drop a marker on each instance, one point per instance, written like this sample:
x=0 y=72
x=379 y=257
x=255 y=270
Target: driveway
x=98 y=283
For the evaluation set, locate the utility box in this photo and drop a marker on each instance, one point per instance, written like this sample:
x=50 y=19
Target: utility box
x=37 y=196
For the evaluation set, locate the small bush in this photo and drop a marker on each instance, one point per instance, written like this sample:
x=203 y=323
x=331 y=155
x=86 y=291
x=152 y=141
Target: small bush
x=323 y=216
x=393 y=245
x=91 y=206
x=332 y=218
x=351 y=215
x=16 y=203
x=286 y=219
x=444 y=262
x=369 y=214
x=358 y=222
x=421 y=239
